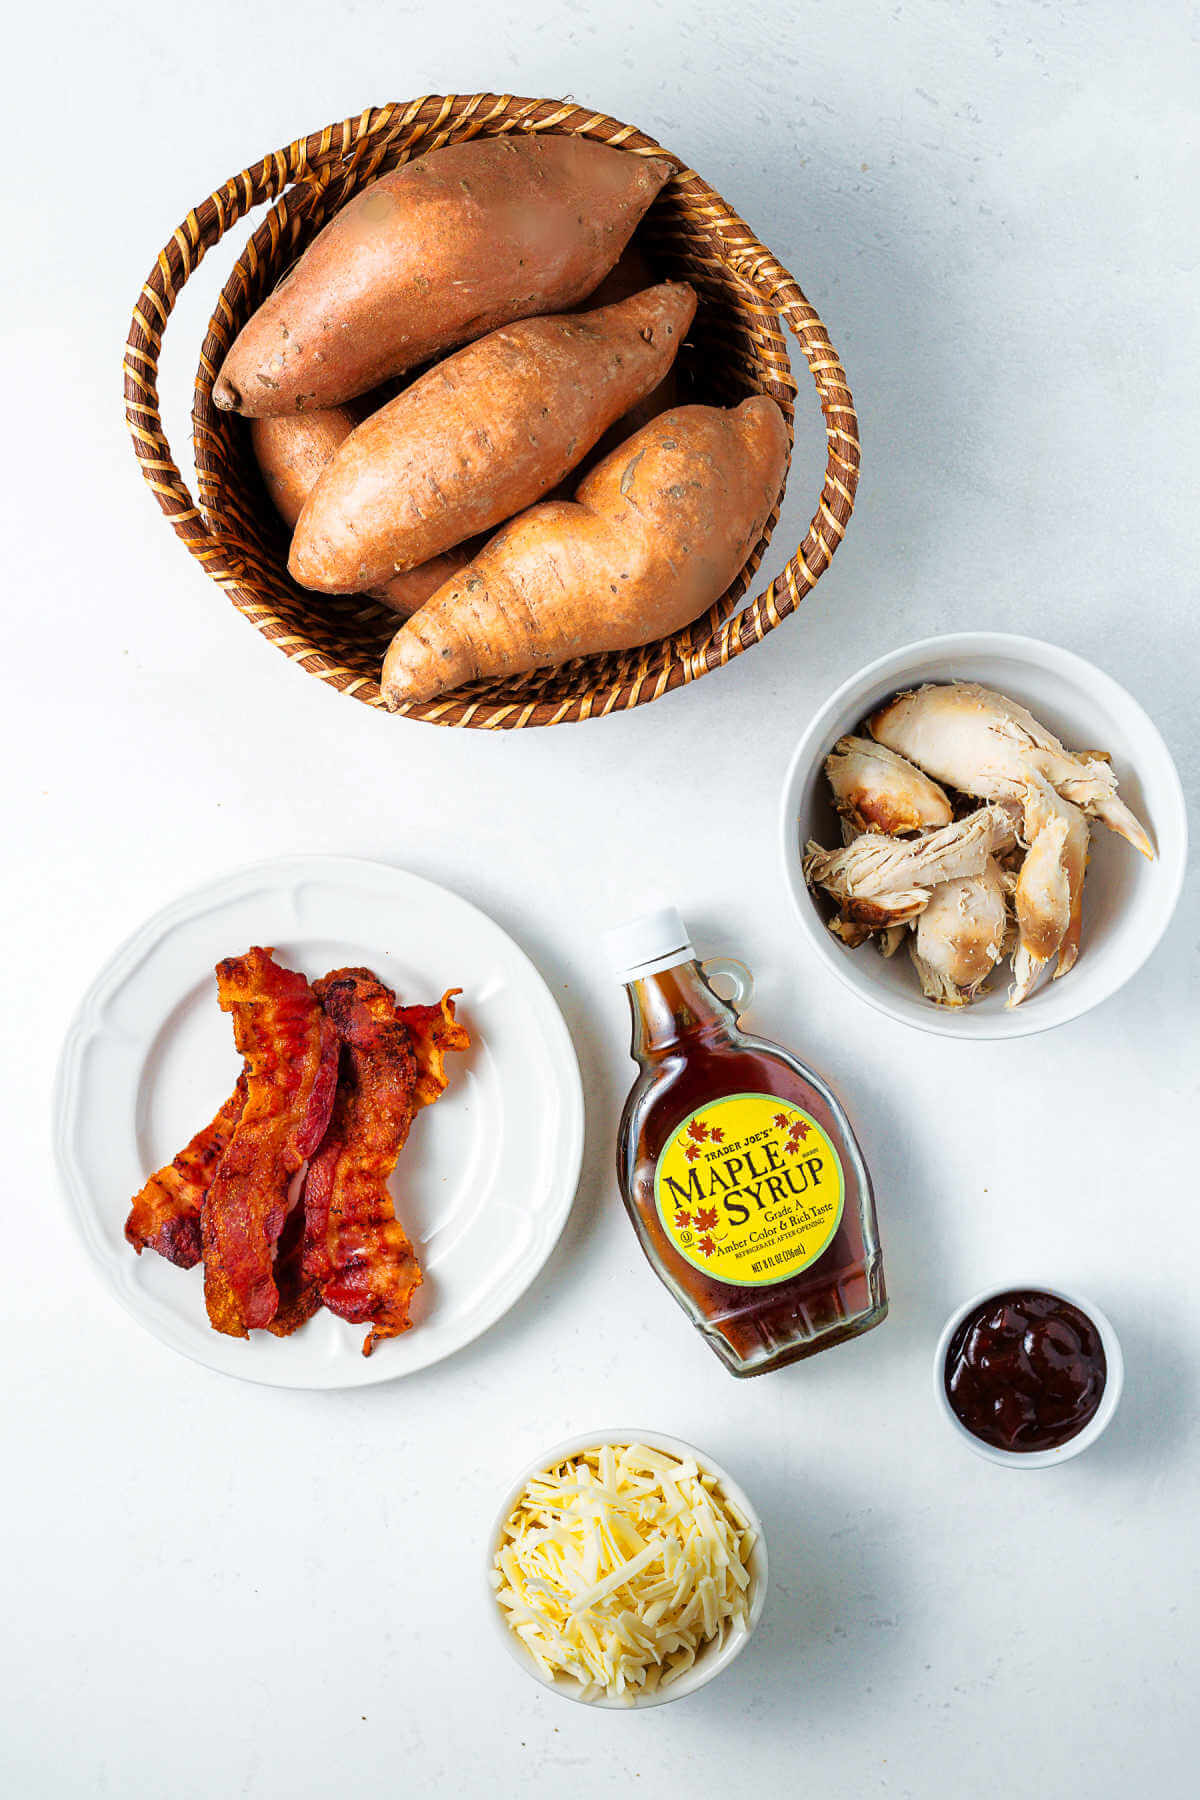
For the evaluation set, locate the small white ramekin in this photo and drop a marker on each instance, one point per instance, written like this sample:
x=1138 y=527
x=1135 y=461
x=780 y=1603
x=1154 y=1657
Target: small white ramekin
x=710 y=1661
x=1127 y=901
x=1114 y=1379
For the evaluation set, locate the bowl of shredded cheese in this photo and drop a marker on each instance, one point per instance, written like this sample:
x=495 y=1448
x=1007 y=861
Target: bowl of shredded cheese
x=626 y=1569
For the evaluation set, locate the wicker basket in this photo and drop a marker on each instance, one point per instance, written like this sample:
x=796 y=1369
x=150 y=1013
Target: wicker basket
x=736 y=347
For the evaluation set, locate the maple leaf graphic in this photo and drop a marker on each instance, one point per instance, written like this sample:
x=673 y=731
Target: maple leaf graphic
x=780 y=1121
x=799 y=1129
x=698 y=1130
x=792 y=1147
x=707 y=1246
x=706 y=1218
x=683 y=1219
x=717 y=1135
x=691 y=1151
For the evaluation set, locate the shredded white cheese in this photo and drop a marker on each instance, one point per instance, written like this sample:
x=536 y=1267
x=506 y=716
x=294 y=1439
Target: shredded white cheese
x=618 y=1565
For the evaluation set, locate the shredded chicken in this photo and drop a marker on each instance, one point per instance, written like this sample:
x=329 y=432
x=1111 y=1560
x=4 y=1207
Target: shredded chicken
x=850 y=932
x=876 y=790
x=960 y=936
x=881 y=881
x=1049 y=888
x=990 y=747
x=967 y=892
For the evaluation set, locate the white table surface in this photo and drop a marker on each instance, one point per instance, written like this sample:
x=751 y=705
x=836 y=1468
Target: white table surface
x=211 y=1589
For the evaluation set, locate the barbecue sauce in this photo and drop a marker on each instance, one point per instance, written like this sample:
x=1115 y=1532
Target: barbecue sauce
x=1026 y=1371
x=742 y=1176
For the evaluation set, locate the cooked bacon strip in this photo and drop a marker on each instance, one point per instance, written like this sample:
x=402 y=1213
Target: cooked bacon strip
x=291 y=1053
x=434 y=1030
x=165 y=1216
x=358 y=1259
x=355 y=1249
x=299 y=1298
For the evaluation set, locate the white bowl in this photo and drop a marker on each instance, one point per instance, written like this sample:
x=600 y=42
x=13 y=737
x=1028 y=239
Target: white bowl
x=1127 y=900
x=1114 y=1380
x=709 y=1661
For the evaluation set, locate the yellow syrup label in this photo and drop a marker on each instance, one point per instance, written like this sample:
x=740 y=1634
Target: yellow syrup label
x=749 y=1189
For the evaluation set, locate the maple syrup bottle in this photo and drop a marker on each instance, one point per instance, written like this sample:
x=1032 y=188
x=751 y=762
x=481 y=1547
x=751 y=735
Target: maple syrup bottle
x=737 y=1165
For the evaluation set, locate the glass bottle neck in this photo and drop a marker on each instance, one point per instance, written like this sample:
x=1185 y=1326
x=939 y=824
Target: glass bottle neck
x=672 y=1006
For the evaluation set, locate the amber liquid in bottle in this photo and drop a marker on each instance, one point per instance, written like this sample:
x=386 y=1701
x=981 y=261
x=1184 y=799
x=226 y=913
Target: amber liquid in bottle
x=692 y=1055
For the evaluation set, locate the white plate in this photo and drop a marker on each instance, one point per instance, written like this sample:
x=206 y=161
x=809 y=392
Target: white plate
x=485 y=1183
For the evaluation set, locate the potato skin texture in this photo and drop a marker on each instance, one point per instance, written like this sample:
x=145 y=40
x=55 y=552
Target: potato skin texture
x=481 y=436
x=407 y=592
x=448 y=247
x=631 y=274
x=294 y=450
x=656 y=533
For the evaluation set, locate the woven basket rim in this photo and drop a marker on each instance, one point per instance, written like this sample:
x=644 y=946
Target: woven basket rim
x=299 y=173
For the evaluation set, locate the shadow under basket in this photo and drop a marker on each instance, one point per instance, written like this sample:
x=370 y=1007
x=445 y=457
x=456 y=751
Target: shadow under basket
x=736 y=347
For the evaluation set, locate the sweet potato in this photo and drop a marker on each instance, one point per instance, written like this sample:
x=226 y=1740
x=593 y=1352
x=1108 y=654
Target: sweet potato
x=656 y=533
x=294 y=449
x=481 y=436
x=631 y=274
x=409 y=590
x=448 y=247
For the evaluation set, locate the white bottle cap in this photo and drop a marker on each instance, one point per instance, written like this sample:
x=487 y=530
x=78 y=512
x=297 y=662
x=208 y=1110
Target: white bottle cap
x=653 y=941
